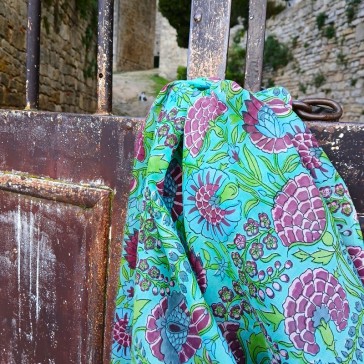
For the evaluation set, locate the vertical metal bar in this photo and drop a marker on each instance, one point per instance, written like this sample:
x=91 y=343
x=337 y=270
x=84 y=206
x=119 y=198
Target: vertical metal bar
x=104 y=56
x=32 y=56
x=209 y=38
x=255 y=45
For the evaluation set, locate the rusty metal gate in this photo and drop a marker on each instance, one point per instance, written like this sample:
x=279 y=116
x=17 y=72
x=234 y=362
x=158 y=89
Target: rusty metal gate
x=63 y=191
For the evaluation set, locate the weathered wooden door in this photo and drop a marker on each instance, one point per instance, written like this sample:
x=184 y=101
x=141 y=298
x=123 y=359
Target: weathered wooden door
x=63 y=190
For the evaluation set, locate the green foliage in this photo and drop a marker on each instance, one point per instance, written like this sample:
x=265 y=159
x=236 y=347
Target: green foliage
x=329 y=31
x=353 y=82
x=46 y=24
x=236 y=60
x=319 y=80
x=276 y=54
x=295 y=41
x=159 y=82
x=351 y=9
x=270 y=83
x=274 y=9
x=181 y=73
x=178 y=13
x=320 y=20
x=302 y=87
x=341 y=59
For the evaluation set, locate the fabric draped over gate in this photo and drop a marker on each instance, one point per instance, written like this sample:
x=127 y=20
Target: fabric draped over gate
x=241 y=243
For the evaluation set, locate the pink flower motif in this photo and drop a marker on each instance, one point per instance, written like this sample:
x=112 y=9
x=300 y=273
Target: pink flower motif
x=298 y=212
x=346 y=208
x=313 y=297
x=173 y=332
x=326 y=191
x=340 y=189
x=199 y=270
x=131 y=245
x=357 y=256
x=264 y=128
x=204 y=110
x=240 y=241
x=207 y=214
x=230 y=331
x=309 y=151
x=279 y=106
x=122 y=333
x=139 y=150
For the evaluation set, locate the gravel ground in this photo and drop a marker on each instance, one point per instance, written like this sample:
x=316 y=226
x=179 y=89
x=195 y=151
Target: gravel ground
x=127 y=87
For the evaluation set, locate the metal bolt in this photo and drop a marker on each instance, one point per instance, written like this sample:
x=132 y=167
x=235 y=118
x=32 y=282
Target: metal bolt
x=197 y=18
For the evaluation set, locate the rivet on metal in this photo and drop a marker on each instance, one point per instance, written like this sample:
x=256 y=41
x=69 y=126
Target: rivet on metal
x=197 y=17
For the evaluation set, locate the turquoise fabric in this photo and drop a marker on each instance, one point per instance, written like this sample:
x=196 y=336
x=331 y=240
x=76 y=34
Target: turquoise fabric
x=241 y=243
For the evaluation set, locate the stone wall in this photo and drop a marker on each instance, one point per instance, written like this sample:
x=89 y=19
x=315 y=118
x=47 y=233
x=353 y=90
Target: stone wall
x=65 y=62
x=322 y=66
x=135 y=35
x=171 y=55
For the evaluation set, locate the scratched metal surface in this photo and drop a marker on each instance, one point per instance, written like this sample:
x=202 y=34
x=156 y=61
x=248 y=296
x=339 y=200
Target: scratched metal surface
x=344 y=145
x=209 y=38
x=64 y=183
x=255 y=45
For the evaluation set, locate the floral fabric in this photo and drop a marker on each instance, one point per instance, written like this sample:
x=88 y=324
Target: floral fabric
x=241 y=243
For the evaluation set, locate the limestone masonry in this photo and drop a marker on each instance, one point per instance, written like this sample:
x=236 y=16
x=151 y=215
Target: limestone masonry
x=64 y=85
x=322 y=66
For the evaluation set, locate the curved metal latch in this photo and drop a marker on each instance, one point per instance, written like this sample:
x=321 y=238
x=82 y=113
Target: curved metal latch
x=317 y=109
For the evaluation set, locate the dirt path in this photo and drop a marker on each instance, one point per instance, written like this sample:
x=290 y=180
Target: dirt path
x=127 y=87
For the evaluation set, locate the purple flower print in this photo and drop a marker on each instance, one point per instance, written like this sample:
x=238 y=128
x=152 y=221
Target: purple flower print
x=298 y=213
x=309 y=151
x=340 y=189
x=326 y=191
x=173 y=332
x=226 y=294
x=230 y=330
x=237 y=288
x=206 y=212
x=139 y=150
x=235 y=312
x=264 y=128
x=144 y=285
x=240 y=241
x=122 y=333
x=163 y=130
x=270 y=241
x=251 y=227
x=179 y=123
x=204 y=110
x=238 y=262
x=315 y=296
x=333 y=206
x=251 y=268
x=128 y=289
x=357 y=256
x=346 y=208
x=171 y=140
x=131 y=245
x=256 y=251
x=218 y=309
x=264 y=221
x=199 y=270
x=233 y=152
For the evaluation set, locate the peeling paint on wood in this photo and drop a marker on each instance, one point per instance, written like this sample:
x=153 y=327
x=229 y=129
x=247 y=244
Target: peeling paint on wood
x=62 y=216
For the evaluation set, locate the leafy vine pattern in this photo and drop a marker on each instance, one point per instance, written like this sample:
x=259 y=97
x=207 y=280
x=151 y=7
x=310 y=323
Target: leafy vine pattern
x=241 y=243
